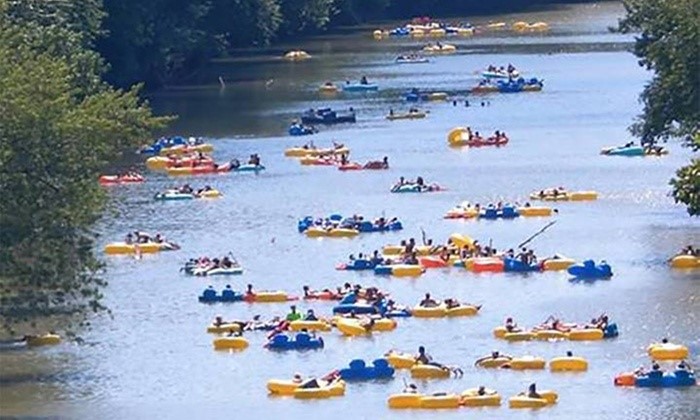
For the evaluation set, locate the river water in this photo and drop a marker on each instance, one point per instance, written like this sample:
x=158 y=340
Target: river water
x=153 y=358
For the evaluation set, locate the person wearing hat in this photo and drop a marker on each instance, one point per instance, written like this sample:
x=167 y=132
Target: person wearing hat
x=293 y=315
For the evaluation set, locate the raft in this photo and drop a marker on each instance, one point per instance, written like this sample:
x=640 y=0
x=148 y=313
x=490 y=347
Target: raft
x=441 y=49
x=406 y=270
x=585 y=334
x=568 y=364
x=471 y=398
x=400 y=360
x=429 y=372
x=296 y=55
x=277 y=296
x=679 y=378
x=336 y=389
x=302 y=341
x=406 y=60
x=230 y=343
x=557 y=264
x=360 y=87
x=589 y=270
x=535 y=211
x=685 y=261
x=122 y=248
x=48 y=339
x=668 y=351
x=525 y=363
x=309 y=325
x=118 y=180
x=359 y=371
x=406 y=116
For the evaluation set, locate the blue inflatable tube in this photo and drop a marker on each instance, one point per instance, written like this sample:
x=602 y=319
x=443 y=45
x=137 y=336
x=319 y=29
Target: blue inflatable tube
x=359 y=87
x=359 y=371
x=370 y=227
x=398 y=313
x=517 y=266
x=666 y=380
x=491 y=213
x=358 y=308
x=382 y=270
x=626 y=151
x=227 y=295
x=302 y=341
x=298 y=130
x=611 y=331
x=412 y=188
x=589 y=270
x=249 y=168
x=359 y=265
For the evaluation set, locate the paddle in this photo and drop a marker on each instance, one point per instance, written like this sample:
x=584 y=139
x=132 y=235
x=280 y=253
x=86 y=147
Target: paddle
x=538 y=233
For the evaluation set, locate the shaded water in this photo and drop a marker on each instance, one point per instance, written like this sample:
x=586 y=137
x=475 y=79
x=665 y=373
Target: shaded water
x=153 y=358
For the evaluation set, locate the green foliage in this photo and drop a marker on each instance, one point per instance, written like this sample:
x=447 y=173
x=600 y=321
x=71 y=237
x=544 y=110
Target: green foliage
x=668 y=43
x=305 y=16
x=57 y=133
x=686 y=187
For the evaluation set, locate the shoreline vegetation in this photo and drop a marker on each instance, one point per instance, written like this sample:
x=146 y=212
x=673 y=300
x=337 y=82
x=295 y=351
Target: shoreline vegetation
x=72 y=75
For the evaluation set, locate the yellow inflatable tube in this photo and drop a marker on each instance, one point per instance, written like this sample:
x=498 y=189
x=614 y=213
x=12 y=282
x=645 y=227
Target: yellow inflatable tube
x=405 y=270
x=518 y=336
x=471 y=398
x=527 y=363
x=589 y=334
x=463 y=310
x=400 y=360
x=568 y=364
x=309 y=325
x=668 y=351
x=558 y=264
x=436 y=402
x=122 y=248
x=234 y=343
x=462 y=241
x=535 y=211
x=156 y=163
x=491 y=362
x=223 y=328
x=282 y=387
x=271 y=297
x=44 y=340
x=429 y=372
x=404 y=400
x=583 y=195
x=458 y=136
x=433 y=312
x=351 y=327
x=334 y=390
x=685 y=261
x=549 y=335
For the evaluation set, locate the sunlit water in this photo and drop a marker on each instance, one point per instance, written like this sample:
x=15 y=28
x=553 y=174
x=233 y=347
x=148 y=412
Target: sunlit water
x=153 y=357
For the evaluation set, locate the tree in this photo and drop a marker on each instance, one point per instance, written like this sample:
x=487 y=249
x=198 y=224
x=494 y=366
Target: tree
x=57 y=133
x=668 y=36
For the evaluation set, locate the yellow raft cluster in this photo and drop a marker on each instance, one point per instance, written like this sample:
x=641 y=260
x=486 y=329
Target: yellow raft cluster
x=442 y=311
x=530 y=27
x=439 y=49
x=290 y=388
x=563 y=195
x=577 y=334
x=301 y=152
x=468 y=398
